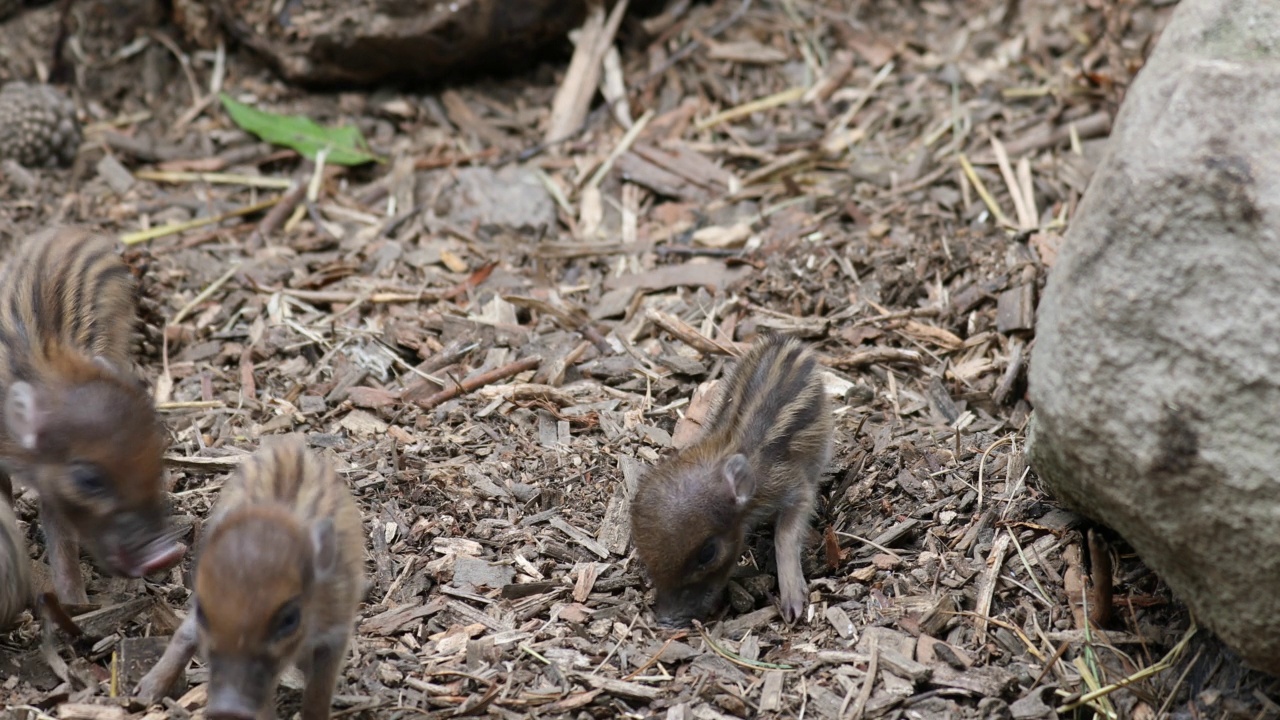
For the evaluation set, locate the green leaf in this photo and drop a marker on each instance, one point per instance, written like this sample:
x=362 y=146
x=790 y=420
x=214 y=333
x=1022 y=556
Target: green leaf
x=346 y=145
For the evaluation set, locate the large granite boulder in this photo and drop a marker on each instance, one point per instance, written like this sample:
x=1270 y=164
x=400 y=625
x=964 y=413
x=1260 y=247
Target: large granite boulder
x=1156 y=371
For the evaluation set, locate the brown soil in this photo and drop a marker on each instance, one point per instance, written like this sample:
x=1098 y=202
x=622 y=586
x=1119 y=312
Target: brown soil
x=944 y=582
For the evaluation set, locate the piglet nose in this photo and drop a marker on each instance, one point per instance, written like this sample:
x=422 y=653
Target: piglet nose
x=231 y=715
x=671 y=621
x=230 y=706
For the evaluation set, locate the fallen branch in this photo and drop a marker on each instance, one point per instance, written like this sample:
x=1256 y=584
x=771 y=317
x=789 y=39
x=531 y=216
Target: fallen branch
x=479 y=381
x=873 y=356
x=689 y=335
x=276 y=218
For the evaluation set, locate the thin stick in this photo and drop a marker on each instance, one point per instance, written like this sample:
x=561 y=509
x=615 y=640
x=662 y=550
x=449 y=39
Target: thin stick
x=205 y=294
x=690 y=335
x=982 y=462
x=479 y=381
x=764 y=103
x=864 y=694
x=1173 y=692
x=343 y=296
x=1048 y=666
x=189 y=405
x=175 y=228
x=1025 y=220
x=623 y=145
x=214 y=178
x=274 y=219
x=735 y=658
x=654 y=660
x=987 y=585
x=872 y=357
x=989 y=201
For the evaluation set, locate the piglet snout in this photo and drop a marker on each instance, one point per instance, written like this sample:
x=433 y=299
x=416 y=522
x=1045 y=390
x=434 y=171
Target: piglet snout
x=153 y=558
x=162 y=557
x=672 y=622
x=238 y=688
x=230 y=706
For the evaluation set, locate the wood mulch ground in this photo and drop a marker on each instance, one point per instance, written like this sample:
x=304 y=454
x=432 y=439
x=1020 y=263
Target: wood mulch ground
x=492 y=335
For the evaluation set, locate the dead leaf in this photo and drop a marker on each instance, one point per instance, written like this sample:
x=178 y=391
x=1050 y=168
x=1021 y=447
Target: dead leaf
x=452 y=261
x=718 y=236
x=363 y=424
x=373 y=398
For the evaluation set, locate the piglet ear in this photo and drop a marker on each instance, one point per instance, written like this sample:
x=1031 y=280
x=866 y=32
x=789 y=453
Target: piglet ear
x=115 y=370
x=325 y=545
x=21 y=415
x=742 y=482
x=102 y=362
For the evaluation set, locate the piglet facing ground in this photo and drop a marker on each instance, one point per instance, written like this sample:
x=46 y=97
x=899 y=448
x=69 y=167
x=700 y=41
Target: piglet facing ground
x=760 y=457
x=277 y=583
x=77 y=426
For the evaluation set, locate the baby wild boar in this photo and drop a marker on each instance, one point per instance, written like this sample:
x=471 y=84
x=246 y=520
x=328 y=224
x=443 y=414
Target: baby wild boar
x=766 y=444
x=15 y=573
x=78 y=428
x=277 y=580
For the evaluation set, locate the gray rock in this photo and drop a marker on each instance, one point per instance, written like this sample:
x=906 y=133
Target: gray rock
x=1156 y=370
x=512 y=197
x=473 y=574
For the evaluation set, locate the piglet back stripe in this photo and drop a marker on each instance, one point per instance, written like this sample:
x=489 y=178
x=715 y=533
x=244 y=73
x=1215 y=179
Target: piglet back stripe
x=64 y=286
x=770 y=396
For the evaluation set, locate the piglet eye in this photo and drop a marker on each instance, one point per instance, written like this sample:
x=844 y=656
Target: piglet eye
x=287 y=620
x=88 y=479
x=707 y=552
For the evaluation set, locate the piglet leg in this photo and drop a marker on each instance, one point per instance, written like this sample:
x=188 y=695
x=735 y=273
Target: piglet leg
x=64 y=556
x=322 y=677
x=788 y=538
x=160 y=679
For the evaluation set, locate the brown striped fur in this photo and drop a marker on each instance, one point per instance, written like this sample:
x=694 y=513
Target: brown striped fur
x=283 y=546
x=760 y=457
x=78 y=427
x=15 y=572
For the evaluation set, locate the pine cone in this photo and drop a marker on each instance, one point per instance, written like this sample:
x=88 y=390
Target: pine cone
x=38 y=125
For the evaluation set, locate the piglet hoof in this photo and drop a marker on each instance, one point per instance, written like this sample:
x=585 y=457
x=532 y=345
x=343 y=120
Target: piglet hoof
x=791 y=600
x=151 y=688
x=792 y=610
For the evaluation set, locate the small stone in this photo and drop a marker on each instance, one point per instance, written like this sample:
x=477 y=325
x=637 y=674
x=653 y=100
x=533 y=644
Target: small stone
x=473 y=574
x=311 y=404
x=885 y=561
x=115 y=173
x=994 y=709
x=740 y=599
x=389 y=675
x=758 y=585
x=731 y=704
